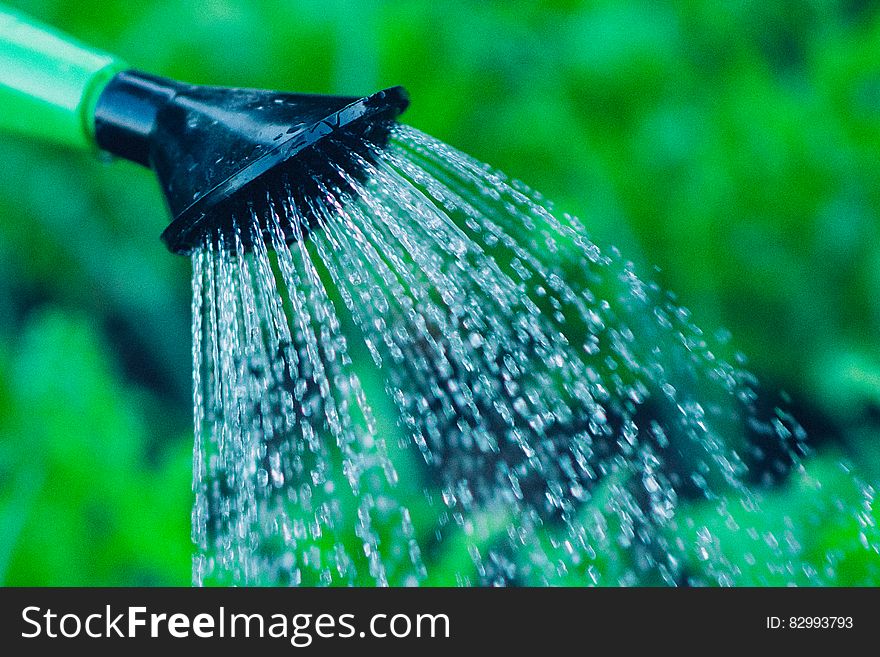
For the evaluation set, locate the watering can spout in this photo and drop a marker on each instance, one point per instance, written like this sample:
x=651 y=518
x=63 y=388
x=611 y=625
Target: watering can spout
x=211 y=147
x=215 y=150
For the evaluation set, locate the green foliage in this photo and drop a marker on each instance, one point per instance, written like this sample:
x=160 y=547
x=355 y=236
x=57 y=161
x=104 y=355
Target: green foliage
x=836 y=548
x=81 y=503
x=733 y=144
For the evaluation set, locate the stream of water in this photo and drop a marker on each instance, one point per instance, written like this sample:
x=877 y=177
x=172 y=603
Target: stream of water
x=434 y=379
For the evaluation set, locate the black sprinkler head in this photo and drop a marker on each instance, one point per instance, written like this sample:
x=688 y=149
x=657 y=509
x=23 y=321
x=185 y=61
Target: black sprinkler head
x=218 y=151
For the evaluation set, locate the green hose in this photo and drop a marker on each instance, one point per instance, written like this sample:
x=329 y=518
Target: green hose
x=49 y=83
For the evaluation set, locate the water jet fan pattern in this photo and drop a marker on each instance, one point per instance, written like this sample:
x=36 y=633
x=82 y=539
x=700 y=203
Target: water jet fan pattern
x=549 y=433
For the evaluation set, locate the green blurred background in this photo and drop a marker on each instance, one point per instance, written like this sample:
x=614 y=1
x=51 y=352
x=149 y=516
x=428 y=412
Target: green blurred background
x=733 y=144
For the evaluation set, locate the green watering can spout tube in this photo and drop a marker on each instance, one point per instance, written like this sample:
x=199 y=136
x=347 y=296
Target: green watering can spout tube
x=216 y=151
x=49 y=83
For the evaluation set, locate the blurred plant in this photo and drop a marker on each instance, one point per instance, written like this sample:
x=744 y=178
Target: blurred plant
x=81 y=501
